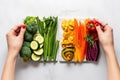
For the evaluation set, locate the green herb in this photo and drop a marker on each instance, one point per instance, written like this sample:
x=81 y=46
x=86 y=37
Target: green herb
x=90 y=39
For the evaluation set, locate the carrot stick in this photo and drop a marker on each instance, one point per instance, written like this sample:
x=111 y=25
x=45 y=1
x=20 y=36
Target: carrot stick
x=75 y=40
x=83 y=42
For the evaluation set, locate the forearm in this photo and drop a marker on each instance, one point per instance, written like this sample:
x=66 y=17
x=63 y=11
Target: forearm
x=9 y=68
x=112 y=64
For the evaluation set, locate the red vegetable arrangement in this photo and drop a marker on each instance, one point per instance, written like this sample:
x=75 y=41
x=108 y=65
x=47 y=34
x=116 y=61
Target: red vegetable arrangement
x=85 y=43
x=92 y=40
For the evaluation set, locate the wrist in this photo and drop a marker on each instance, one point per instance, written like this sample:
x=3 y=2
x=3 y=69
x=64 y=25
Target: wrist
x=109 y=50
x=12 y=54
x=11 y=59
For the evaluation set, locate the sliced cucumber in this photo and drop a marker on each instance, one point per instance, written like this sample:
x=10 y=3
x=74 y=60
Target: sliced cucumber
x=39 y=51
x=35 y=57
x=34 y=45
x=35 y=35
x=41 y=45
x=39 y=38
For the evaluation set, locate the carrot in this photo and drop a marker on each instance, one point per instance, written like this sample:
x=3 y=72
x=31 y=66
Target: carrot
x=79 y=41
x=75 y=40
x=83 y=42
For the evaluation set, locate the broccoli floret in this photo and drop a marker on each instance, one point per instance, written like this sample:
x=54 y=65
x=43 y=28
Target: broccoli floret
x=29 y=19
x=25 y=53
x=32 y=27
x=28 y=37
x=27 y=44
x=31 y=23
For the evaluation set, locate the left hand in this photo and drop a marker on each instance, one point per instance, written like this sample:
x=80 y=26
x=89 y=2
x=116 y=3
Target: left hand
x=15 y=39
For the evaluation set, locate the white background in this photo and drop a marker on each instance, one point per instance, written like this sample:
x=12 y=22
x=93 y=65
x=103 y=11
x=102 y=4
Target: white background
x=13 y=12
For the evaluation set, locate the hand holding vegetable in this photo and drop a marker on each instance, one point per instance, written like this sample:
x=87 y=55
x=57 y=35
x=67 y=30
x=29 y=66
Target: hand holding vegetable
x=15 y=39
x=105 y=35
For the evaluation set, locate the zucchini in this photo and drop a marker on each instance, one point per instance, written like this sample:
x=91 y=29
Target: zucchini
x=34 y=45
x=35 y=57
x=39 y=51
x=39 y=38
x=35 y=35
x=41 y=45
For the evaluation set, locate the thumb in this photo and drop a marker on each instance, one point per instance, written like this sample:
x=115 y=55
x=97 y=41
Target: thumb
x=22 y=31
x=99 y=30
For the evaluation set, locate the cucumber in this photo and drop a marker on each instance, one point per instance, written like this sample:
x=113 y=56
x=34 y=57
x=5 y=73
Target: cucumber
x=35 y=35
x=35 y=57
x=39 y=51
x=34 y=45
x=41 y=45
x=39 y=38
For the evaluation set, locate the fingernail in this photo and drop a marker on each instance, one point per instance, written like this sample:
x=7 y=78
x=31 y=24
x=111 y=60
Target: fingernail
x=23 y=26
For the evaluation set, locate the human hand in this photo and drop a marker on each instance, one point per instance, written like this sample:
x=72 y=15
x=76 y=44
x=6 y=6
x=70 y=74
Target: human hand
x=105 y=35
x=15 y=39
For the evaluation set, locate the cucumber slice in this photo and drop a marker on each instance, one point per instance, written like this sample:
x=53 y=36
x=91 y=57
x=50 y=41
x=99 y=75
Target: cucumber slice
x=39 y=38
x=41 y=45
x=39 y=51
x=35 y=57
x=35 y=35
x=34 y=45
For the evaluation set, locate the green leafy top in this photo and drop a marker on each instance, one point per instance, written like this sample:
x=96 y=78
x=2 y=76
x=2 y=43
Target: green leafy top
x=30 y=19
x=90 y=39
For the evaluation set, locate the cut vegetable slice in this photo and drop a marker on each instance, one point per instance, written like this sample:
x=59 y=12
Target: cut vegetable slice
x=39 y=51
x=34 y=45
x=41 y=45
x=35 y=35
x=35 y=57
x=38 y=38
x=68 y=53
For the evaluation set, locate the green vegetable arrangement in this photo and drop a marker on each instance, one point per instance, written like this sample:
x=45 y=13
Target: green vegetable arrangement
x=40 y=39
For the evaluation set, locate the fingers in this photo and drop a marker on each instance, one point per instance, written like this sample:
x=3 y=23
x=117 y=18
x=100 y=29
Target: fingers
x=15 y=28
x=22 y=30
x=103 y=24
x=99 y=30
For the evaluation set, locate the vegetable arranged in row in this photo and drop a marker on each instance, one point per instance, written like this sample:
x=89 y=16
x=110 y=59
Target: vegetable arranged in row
x=67 y=41
x=79 y=41
x=40 y=39
x=29 y=45
x=37 y=47
x=83 y=39
x=92 y=40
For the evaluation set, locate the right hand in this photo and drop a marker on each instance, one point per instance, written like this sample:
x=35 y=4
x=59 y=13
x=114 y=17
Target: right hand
x=105 y=35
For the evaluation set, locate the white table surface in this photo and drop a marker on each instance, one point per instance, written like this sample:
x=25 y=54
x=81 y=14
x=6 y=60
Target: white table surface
x=13 y=12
